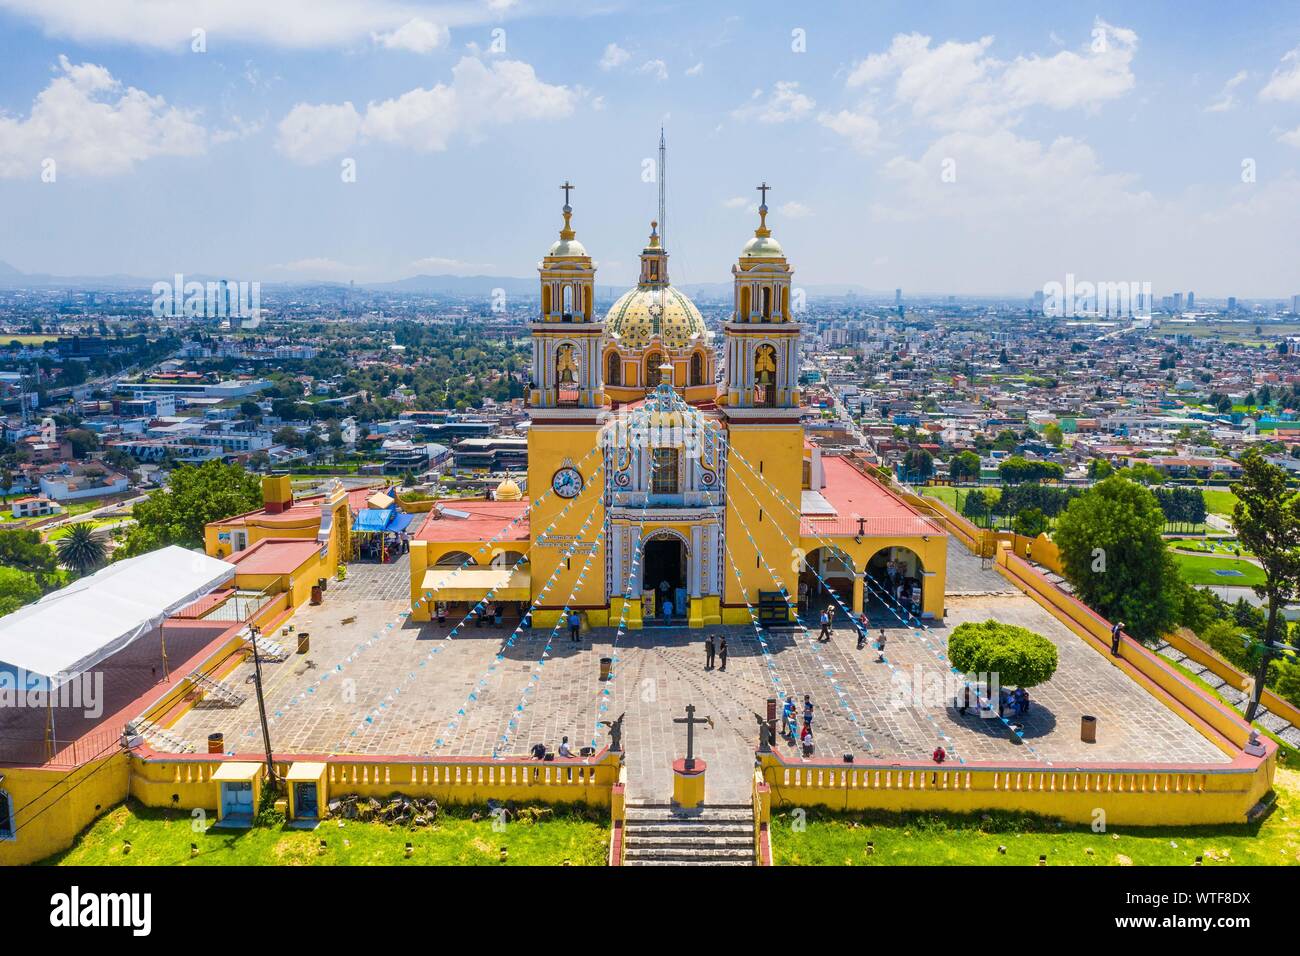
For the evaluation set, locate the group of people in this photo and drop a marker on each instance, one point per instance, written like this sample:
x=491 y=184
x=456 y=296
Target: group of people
x=713 y=652
x=492 y=614
x=790 y=724
x=542 y=752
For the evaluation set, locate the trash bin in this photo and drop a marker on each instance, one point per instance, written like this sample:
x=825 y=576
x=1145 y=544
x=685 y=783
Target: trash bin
x=605 y=664
x=316 y=595
x=1088 y=729
x=304 y=642
x=216 y=743
x=323 y=583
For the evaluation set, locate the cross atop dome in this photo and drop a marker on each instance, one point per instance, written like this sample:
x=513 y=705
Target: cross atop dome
x=762 y=231
x=567 y=232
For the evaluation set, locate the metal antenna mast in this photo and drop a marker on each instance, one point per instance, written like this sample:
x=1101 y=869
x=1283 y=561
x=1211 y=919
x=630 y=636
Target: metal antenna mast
x=663 y=185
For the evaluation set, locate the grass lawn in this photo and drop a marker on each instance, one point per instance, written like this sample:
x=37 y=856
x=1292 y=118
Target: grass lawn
x=1198 y=569
x=160 y=837
x=1219 y=502
x=833 y=838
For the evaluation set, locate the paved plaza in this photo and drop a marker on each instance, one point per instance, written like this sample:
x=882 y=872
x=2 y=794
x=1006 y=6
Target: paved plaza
x=382 y=684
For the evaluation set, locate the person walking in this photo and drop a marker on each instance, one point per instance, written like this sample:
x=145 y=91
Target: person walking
x=722 y=653
x=862 y=630
x=575 y=625
x=880 y=646
x=825 y=635
x=441 y=608
x=1115 y=638
x=807 y=711
x=709 y=652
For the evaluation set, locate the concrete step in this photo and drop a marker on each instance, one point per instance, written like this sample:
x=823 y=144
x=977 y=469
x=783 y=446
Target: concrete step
x=688 y=863
x=742 y=854
x=742 y=840
x=690 y=831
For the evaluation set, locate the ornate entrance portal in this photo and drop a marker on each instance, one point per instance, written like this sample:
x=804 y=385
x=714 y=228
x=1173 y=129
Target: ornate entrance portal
x=665 y=577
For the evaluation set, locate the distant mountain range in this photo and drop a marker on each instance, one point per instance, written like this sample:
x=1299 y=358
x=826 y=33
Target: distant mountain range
x=11 y=278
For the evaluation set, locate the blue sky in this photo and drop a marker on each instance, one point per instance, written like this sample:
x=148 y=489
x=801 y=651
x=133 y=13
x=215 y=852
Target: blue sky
x=941 y=147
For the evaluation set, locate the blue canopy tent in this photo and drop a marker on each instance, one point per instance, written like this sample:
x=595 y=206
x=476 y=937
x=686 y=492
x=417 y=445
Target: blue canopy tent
x=383 y=522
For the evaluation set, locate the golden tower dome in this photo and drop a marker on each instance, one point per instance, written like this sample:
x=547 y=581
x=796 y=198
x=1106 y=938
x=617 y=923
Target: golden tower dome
x=654 y=312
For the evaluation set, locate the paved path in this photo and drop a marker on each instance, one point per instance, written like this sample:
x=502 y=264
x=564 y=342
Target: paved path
x=393 y=696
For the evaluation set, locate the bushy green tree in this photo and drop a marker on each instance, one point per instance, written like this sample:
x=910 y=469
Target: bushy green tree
x=16 y=589
x=1015 y=654
x=1113 y=554
x=194 y=496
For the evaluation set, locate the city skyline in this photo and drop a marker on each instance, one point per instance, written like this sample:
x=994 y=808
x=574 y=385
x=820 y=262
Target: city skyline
x=946 y=150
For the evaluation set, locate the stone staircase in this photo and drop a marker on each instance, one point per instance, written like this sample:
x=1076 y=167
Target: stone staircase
x=712 y=835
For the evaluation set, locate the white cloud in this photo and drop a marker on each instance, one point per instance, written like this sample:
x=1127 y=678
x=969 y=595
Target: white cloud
x=859 y=127
x=957 y=85
x=695 y=70
x=1291 y=137
x=88 y=122
x=614 y=56
x=1284 y=84
x=169 y=24
x=313 y=133
x=656 y=68
x=737 y=202
x=439 y=265
x=415 y=36
x=784 y=104
x=426 y=119
x=793 y=210
x=1227 y=99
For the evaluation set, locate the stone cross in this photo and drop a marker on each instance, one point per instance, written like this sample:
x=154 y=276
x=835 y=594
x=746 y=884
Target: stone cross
x=763 y=189
x=566 y=187
x=690 y=720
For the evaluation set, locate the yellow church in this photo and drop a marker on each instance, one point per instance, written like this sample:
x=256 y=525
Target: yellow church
x=662 y=491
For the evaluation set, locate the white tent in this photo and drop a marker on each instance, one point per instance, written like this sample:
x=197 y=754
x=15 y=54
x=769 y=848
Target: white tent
x=71 y=630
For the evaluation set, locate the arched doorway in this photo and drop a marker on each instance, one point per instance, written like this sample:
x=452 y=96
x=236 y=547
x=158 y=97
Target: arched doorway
x=697 y=368
x=896 y=579
x=833 y=579
x=614 y=370
x=664 y=560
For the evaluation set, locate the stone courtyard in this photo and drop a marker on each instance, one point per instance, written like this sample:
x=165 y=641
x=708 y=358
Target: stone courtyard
x=384 y=685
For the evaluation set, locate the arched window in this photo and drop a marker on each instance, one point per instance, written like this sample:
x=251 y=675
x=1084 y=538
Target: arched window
x=546 y=300
x=652 y=374
x=765 y=376
x=743 y=314
x=454 y=559
x=568 y=302
x=614 y=370
x=767 y=302
x=697 y=369
x=586 y=302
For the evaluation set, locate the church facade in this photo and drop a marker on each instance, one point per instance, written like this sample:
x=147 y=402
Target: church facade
x=662 y=492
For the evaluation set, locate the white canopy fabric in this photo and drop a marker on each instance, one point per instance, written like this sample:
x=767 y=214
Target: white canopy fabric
x=68 y=632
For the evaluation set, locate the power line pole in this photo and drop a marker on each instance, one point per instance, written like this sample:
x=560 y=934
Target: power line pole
x=254 y=632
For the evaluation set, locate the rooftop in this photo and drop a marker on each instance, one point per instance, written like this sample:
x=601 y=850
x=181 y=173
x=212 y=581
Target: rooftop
x=485 y=519
x=275 y=556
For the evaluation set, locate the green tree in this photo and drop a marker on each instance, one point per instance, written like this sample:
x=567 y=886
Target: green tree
x=1114 y=555
x=16 y=589
x=1053 y=434
x=81 y=548
x=918 y=465
x=1016 y=655
x=193 y=497
x=965 y=467
x=1031 y=523
x=1267 y=519
x=25 y=551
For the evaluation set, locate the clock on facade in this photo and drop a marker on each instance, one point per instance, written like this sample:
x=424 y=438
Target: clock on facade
x=567 y=482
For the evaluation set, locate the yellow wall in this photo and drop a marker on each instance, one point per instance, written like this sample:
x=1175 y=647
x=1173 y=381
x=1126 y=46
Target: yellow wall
x=548 y=447
x=777 y=452
x=1128 y=798
x=53 y=806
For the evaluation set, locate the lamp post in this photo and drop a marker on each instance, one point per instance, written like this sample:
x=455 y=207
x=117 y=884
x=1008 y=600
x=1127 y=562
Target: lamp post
x=254 y=632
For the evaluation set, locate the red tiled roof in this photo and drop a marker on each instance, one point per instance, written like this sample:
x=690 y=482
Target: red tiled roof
x=275 y=556
x=853 y=495
x=486 y=519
